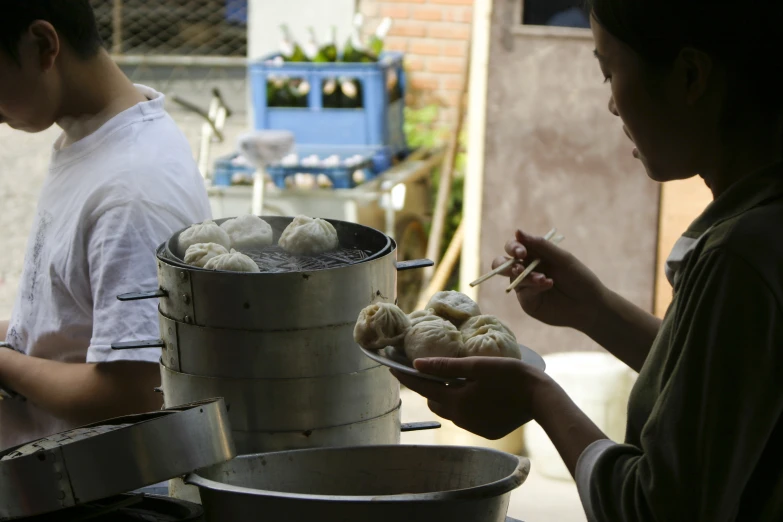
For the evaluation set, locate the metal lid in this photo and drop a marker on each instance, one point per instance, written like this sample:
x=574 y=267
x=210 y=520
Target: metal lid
x=112 y=457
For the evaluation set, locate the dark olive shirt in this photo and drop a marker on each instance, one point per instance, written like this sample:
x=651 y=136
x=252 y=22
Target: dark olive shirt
x=704 y=441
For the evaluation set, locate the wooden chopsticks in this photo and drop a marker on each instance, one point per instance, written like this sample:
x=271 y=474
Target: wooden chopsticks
x=550 y=236
x=498 y=270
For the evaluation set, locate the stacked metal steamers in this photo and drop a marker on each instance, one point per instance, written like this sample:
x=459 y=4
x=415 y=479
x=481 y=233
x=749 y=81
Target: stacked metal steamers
x=278 y=345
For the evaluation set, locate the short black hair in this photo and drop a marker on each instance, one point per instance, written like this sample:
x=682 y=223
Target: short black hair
x=74 y=21
x=744 y=36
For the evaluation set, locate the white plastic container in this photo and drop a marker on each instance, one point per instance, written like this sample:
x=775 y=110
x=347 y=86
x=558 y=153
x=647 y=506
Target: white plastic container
x=600 y=385
x=452 y=435
x=414 y=409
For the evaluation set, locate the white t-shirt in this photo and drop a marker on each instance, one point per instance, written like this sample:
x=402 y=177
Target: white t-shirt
x=108 y=202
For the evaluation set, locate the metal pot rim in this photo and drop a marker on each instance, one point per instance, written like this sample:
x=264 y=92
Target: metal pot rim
x=491 y=489
x=251 y=332
x=357 y=424
x=166 y=253
x=160 y=254
x=247 y=379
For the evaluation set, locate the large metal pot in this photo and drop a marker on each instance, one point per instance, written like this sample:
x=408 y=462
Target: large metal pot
x=305 y=404
x=378 y=483
x=383 y=430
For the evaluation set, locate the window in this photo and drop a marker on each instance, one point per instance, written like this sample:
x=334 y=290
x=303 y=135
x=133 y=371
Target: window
x=560 y=13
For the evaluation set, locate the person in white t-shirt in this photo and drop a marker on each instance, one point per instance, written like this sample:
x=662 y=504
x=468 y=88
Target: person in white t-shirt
x=122 y=179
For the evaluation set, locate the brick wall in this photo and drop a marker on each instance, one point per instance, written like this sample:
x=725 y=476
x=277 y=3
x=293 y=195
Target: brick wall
x=434 y=34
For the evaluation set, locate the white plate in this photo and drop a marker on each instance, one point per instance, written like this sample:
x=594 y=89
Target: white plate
x=389 y=357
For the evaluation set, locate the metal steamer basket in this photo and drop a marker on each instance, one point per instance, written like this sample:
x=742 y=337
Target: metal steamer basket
x=78 y=473
x=278 y=345
x=378 y=483
x=291 y=293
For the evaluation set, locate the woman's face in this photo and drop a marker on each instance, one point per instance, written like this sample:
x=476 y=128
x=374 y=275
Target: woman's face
x=656 y=108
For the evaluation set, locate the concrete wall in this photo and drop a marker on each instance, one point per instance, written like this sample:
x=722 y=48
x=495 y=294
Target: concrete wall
x=556 y=157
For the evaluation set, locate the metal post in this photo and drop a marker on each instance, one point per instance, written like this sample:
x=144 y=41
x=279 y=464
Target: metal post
x=259 y=180
x=116 y=20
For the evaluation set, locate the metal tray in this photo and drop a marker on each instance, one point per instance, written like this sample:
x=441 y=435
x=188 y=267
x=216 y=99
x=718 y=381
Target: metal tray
x=112 y=457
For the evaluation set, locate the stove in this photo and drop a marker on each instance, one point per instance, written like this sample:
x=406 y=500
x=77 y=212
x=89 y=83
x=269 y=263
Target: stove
x=127 y=508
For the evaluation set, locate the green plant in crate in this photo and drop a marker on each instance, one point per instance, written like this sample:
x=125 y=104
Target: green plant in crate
x=423 y=129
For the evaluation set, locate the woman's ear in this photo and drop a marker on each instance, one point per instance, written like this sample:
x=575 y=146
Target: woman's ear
x=696 y=69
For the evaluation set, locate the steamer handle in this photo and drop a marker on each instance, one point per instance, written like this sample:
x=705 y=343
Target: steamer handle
x=419 y=426
x=136 y=345
x=414 y=264
x=138 y=296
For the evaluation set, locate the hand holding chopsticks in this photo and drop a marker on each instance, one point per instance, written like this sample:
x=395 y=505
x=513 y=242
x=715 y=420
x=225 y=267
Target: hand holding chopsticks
x=550 y=236
x=555 y=240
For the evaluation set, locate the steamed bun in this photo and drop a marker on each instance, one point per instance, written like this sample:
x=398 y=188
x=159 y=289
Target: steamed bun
x=200 y=253
x=453 y=306
x=248 y=232
x=433 y=338
x=380 y=325
x=232 y=262
x=206 y=232
x=488 y=342
x=472 y=325
x=309 y=236
x=422 y=315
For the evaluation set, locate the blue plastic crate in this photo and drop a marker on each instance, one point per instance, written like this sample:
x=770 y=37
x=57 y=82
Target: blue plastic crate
x=374 y=162
x=225 y=169
x=378 y=124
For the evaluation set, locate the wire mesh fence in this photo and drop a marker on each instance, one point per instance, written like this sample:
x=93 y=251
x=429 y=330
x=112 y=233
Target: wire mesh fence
x=173 y=27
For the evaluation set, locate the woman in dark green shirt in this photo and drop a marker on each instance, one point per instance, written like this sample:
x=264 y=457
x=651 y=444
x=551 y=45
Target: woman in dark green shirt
x=698 y=85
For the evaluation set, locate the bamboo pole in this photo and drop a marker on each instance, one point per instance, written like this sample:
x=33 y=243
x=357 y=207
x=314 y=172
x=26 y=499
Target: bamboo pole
x=470 y=264
x=445 y=268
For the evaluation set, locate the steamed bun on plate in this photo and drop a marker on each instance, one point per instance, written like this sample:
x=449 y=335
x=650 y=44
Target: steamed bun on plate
x=422 y=315
x=380 y=325
x=200 y=253
x=232 y=262
x=489 y=342
x=248 y=232
x=206 y=232
x=309 y=237
x=472 y=325
x=453 y=306
x=433 y=338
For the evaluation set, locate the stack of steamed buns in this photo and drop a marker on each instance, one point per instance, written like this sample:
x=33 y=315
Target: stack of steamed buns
x=220 y=247
x=450 y=326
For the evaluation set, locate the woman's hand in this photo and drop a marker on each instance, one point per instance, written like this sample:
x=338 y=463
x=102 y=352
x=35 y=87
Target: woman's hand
x=562 y=291
x=499 y=394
